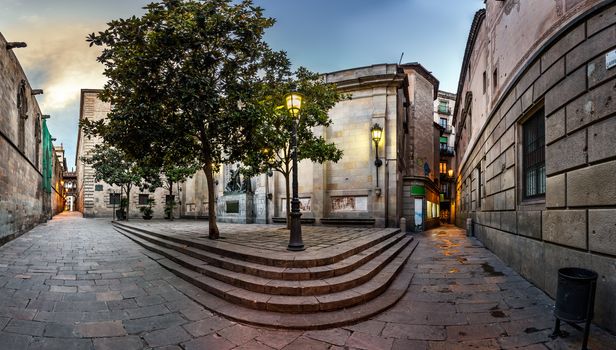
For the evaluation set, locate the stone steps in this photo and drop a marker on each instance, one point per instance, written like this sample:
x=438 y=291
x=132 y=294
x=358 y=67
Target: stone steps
x=294 y=304
x=325 y=256
x=317 y=289
x=264 y=271
x=306 y=321
x=338 y=281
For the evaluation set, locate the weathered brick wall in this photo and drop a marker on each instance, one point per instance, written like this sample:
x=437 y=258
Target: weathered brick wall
x=576 y=223
x=20 y=179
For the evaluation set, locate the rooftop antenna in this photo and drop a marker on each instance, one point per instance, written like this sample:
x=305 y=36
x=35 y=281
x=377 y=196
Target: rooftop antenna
x=400 y=61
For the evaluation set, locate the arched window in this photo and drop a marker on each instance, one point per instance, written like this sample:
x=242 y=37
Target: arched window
x=22 y=111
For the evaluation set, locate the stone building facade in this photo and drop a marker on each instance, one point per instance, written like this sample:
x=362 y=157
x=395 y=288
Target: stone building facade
x=397 y=97
x=536 y=155
x=94 y=198
x=21 y=194
x=443 y=115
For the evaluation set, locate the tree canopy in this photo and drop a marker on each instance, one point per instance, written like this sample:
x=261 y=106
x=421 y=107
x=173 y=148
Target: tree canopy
x=178 y=77
x=272 y=149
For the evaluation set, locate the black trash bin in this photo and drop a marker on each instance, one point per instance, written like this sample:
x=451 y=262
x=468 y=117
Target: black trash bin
x=575 y=299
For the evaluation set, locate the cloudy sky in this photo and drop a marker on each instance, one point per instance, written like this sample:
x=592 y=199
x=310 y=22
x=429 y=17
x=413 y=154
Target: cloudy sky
x=323 y=35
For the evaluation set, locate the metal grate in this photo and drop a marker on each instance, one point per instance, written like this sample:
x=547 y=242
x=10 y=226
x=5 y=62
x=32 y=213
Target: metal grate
x=534 y=155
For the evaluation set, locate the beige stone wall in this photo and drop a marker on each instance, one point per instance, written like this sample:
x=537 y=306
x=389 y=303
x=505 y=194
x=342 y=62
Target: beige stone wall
x=93 y=200
x=574 y=224
x=348 y=189
x=21 y=195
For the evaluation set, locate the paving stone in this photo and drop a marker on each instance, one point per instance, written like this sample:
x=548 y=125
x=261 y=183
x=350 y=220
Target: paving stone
x=10 y=341
x=368 y=342
x=131 y=342
x=303 y=343
x=474 y=332
x=254 y=345
x=371 y=327
x=33 y=328
x=147 y=324
x=101 y=329
x=63 y=289
x=61 y=344
x=167 y=336
x=147 y=311
x=335 y=336
x=207 y=326
x=418 y=332
x=407 y=344
x=239 y=334
x=212 y=341
x=195 y=314
x=59 y=330
x=277 y=339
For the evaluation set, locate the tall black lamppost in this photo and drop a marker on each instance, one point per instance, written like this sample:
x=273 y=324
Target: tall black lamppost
x=294 y=105
x=377 y=132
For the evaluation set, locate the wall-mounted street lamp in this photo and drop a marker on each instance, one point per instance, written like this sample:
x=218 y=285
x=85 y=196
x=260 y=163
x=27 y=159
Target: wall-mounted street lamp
x=377 y=133
x=36 y=92
x=294 y=102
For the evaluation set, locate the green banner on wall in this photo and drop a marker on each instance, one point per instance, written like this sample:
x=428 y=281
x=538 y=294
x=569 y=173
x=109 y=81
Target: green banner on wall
x=47 y=158
x=417 y=190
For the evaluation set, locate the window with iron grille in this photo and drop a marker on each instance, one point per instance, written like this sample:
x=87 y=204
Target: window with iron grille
x=143 y=199
x=114 y=198
x=533 y=140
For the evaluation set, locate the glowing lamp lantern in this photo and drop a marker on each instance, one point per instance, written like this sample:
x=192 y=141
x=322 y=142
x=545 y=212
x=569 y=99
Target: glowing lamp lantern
x=377 y=133
x=294 y=102
x=450 y=172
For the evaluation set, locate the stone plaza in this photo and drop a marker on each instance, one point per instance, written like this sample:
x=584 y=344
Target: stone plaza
x=76 y=283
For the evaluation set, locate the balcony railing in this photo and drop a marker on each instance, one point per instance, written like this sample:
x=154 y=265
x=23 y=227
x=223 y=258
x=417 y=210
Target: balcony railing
x=447 y=151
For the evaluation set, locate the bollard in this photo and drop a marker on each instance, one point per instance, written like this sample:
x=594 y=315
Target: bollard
x=403 y=225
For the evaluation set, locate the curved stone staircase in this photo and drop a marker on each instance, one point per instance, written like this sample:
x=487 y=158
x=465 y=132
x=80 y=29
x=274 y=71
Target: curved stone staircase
x=330 y=287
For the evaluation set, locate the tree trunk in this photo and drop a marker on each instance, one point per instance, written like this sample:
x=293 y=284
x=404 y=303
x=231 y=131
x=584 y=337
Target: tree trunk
x=211 y=198
x=172 y=201
x=127 y=200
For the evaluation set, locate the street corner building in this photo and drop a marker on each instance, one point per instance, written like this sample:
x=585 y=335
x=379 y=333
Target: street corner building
x=358 y=189
x=31 y=186
x=97 y=198
x=535 y=151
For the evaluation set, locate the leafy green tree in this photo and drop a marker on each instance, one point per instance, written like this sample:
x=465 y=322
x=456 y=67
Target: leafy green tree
x=272 y=149
x=112 y=166
x=177 y=79
x=173 y=174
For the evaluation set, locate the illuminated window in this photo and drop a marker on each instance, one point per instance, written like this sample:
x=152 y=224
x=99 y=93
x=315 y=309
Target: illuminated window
x=443 y=167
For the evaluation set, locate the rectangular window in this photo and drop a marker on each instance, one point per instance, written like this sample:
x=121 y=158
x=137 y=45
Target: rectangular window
x=443 y=107
x=443 y=122
x=495 y=78
x=485 y=82
x=443 y=167
x=143 y=199
x=478 y=169
x=114 y=198
x=98 y=188
x=533 y=141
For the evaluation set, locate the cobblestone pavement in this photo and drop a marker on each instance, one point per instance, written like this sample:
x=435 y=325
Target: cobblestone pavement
x=270 y=237
x=77 y=284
